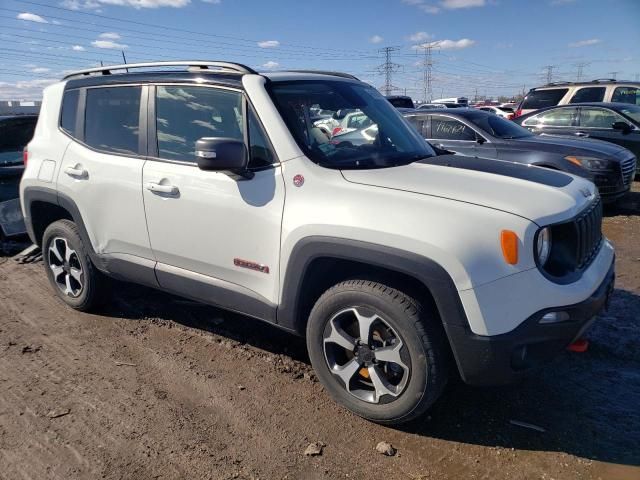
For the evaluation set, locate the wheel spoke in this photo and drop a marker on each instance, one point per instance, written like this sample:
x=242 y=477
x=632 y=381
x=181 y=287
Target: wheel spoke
x=346 y=372
x=391 y=354
x=56 y=270
x=76 y=274
x=364 y=325
x=67 y=251
x=380 y=384
x=341 y=338
x=54 y=249
x=67 y=281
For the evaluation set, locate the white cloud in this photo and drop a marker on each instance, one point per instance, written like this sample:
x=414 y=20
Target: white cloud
x=109 y=44
x=585 y=43
x=31 y=17
x=270 y=65
x=25 y=89
x=376 y=39
x=213 y=2
x=419 y=37
x=40 y=70
x=455 y=4
x=137 y=4
x=78 y=48
x=110 y=36
x=448 y=44
x=269 y=44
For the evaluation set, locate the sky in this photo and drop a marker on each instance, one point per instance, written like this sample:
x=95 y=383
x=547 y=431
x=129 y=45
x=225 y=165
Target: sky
x=479 y=47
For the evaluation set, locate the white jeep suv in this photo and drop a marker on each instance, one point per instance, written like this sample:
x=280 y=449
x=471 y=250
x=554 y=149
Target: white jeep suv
x=399 y=266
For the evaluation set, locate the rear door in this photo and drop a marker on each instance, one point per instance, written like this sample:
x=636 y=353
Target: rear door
x=451 y=134
x=597 y=123
x=556 y=121
x=101 y=171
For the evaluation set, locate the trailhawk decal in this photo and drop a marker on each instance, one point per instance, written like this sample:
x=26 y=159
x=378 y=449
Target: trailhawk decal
x=258 y=267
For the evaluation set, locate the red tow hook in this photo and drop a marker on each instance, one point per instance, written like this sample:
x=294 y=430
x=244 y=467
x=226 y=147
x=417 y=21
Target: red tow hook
x=579 y=346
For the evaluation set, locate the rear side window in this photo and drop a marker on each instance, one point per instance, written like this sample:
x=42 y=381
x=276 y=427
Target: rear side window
x=186 y=114
x=626 y=95
x=590 y=94
x=538 y=99
x=443 y=128
x=69 y=111
x=112 y=118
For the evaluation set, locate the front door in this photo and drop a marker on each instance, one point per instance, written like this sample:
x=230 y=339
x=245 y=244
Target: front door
x=451 y=134
x=598 y=123
x=215 y=237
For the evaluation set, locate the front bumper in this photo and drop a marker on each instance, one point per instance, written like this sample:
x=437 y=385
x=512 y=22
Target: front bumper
x=502 y=359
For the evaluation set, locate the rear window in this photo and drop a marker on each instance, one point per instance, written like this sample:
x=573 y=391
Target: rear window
x=626 y=95
x=589 y=94
x=401 y=102
x=15 y=133
x=538 y=99
x=112 y=119
x=69 y=111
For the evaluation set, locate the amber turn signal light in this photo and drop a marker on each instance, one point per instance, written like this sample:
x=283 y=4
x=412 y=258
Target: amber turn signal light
x=509 y=243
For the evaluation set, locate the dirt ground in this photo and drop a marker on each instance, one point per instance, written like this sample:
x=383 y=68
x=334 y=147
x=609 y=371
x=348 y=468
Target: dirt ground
x=156 y=387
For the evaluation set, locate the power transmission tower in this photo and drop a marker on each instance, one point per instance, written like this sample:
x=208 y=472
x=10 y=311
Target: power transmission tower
x=580 y=67
x=427 y=82
x=549 y=74
x=388 y=68
x=614 y=74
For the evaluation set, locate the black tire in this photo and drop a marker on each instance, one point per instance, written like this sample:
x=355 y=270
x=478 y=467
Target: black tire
x=421 y=336
x=94 y=286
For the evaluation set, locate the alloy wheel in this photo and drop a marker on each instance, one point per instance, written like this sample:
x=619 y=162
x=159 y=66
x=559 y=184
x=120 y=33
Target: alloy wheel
x=66 y=267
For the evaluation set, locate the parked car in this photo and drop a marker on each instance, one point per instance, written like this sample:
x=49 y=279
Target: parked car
x=430 y=106
x=476 y=133
x=617 y=123
x=214 y=184
x=503 y=112
x=453 y=102
x=564 y=93
x=15 y=132
x=400 y=101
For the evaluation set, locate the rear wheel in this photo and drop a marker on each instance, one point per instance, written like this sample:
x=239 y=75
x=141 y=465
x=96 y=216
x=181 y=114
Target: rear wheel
x=69 y=269
x=377 y=351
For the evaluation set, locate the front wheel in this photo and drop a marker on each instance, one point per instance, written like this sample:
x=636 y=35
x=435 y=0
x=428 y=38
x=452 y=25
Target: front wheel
x=377 y=351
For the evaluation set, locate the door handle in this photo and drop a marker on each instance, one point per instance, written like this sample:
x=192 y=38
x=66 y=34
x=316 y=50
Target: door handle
x=76 y=172
x=166 y=189
x=581 y=134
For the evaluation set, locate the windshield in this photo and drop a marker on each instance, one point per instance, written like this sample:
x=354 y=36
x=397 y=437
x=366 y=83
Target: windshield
x=498 y=126
x=631 y=112
x=379 y=138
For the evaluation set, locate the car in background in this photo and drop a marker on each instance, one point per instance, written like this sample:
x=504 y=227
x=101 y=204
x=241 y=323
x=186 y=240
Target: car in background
x=476 y=133
x=453 y=102
x=400 y=101
x=430 y=106
x=613 y=122
x=16 y=132
x=504 y=112
x=565 y=93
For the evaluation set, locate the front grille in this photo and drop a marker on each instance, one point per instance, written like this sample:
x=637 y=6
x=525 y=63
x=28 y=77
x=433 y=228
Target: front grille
x=588 y=233
x=628 y=168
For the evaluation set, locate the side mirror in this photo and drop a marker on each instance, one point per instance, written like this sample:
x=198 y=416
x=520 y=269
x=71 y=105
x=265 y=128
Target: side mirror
x=222 y=154
x=622 y=126
x=480 y=139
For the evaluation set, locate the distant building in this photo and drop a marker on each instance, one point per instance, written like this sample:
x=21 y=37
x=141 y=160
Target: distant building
x=19 y=107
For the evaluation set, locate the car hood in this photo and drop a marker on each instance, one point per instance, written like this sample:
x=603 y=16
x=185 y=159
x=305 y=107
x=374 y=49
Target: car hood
x=541 y=195
x=571 y=146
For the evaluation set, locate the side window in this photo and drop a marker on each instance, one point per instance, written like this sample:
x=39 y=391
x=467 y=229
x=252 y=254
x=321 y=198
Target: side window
x=598 y=118
x=186 y=114
x=260 y=150
x=443 y=128
x=626 y=95
x=112 y=118
x=420 y=123
x=69 y=111
x=561 y=117
x=589 y=94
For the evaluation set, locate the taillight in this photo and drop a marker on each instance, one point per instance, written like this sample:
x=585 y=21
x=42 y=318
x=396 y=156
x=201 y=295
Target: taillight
x=511 y=116
x=518 y=113
x=25 y=156
x=336 y=131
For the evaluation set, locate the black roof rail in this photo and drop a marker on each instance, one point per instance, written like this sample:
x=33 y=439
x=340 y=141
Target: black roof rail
x=598 y=80
x=553 y=84
x=327 y=72
x=226 y=67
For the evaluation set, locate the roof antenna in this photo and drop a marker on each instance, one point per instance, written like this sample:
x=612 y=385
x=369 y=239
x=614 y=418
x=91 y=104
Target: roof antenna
x=125 y=59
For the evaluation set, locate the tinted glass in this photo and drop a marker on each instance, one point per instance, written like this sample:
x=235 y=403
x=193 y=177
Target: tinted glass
x=112 y=119
x=543 y=98
x=498 y=126
x=633 y=112
x=69 y=111
x=591 y=94
x=15 y=133
x=443 y=128
x=420 y=123
x=561 y=117
x=401 y=102
x=389 y=141
x=598 y=117
x=186 y=114
x=261 y=154
x=626 y=95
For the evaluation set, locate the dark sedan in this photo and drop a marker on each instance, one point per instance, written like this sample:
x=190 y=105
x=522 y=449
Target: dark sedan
x=614 y=122
x=480 y=134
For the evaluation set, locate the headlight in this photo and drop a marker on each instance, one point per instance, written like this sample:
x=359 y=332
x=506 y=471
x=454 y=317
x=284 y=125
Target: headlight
x=590 y=163
x=543 y=245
